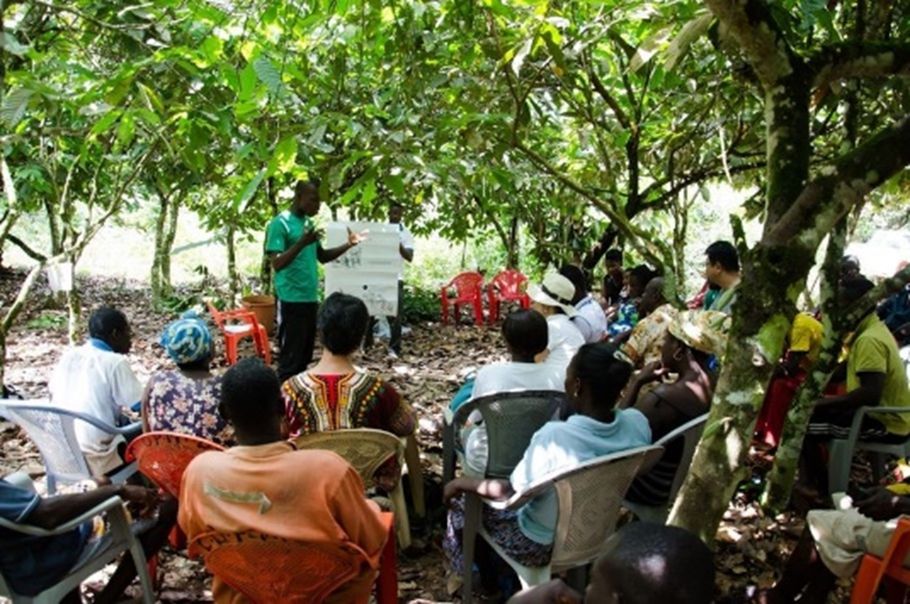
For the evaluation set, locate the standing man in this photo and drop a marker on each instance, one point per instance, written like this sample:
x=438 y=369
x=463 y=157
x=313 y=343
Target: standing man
x=292 y=243
x=406 y=249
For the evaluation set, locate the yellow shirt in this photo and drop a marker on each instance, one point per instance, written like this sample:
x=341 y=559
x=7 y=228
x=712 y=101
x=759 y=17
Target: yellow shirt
x=874 y=350
x=806 y=336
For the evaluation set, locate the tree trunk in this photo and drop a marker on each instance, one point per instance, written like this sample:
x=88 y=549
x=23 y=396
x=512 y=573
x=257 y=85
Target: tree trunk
x=169 y=235
x=780 y=480
x=513 y=244
x=155 y=279
x=73 y=312
x=233 y=276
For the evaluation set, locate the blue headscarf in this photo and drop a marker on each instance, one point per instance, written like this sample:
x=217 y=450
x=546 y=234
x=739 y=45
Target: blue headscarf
x=187 y=339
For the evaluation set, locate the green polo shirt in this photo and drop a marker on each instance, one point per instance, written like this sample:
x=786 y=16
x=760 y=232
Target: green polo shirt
x=874 y=350
x=299 y=280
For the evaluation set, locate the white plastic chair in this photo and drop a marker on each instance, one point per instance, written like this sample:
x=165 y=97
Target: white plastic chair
x=842 y=449
x=511 y=419
x=118 y=539
x=51 y=429
x=589 y=497
x=366 y=449
x=690 y=433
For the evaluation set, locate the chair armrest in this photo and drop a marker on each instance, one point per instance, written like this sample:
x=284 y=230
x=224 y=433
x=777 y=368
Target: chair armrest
x=857 y=423
x=240 y=314
x=112 y=504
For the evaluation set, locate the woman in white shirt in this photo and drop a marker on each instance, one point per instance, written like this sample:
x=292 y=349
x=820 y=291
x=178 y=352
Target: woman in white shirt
x=553 y=299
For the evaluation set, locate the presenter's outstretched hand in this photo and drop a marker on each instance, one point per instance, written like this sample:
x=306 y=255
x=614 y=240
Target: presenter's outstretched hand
x=355 y=238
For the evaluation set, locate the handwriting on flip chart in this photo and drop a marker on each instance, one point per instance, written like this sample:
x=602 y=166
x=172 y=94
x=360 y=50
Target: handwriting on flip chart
x=369 y=270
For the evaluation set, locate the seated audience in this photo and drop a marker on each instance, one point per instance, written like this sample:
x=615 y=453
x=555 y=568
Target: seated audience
x=692 y=340
x=334 y=394
x=875 y=378
x=833 y=545
x=895 y=310
x=96 y=379
x=644 y=563
x=644 y=342
x=525 y=333
x=591 y=320
x=553 y=299
x=850 y=268
x=804 y=344
x=722 y=272
x=627 y=315
x=265 y=485
x=185 y=400
x=594 y=379
x=614 y=279
x=33 y=564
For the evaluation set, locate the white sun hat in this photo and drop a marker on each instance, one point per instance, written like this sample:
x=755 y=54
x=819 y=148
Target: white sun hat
x=555 y=290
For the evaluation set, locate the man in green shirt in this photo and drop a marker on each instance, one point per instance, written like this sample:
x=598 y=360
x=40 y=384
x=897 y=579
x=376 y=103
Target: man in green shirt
x=292 y=243
x=875 y=378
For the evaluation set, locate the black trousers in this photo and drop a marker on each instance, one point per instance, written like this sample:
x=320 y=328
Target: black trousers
x=296 y=336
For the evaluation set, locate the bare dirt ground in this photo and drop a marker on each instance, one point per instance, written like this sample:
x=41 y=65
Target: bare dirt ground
x=751 y=546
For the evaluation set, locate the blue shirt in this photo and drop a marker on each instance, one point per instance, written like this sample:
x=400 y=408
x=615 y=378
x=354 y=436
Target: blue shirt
x=559 y=446
x=32 y=564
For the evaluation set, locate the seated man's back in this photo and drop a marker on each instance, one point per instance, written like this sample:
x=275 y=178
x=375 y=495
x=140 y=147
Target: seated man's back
x=267 y=486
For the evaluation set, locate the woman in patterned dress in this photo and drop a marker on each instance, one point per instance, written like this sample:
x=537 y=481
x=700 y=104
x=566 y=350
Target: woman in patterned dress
x=185 y=399
x=335 y=394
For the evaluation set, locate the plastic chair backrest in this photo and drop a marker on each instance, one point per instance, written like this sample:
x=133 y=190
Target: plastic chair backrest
x=509 y=283
x=511 y=419
x=217 y=317
x=589 y=503
x=366 y=449
x=51 y=429
x=270 y=569
x=690 y=432
x=467 y=285
x=164 y=456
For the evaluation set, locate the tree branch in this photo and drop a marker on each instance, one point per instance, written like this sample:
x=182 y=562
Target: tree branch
x=751 y=25
x=31 y=253
x=840 y=187
x=868 y=60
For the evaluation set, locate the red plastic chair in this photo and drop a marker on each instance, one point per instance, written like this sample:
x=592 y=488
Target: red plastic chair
x=162 y=457
x=891 y=567
x=238 y=324
x=269 y=569
x=468 y=290
x=507 y=286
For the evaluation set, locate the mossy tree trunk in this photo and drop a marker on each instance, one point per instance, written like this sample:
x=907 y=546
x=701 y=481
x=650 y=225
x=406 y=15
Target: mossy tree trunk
x=165 y=231
x=800 y=212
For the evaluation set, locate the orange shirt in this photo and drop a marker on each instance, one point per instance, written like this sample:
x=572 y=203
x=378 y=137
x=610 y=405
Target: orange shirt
x=310 y=495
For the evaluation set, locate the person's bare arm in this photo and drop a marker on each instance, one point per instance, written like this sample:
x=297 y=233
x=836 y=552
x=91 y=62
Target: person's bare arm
x=54 y=511
x=281 y=260
x=143 y=407
x=327 y=255
x=650 y=373
x=407 y=253
x=487 y=488
x=869 y=393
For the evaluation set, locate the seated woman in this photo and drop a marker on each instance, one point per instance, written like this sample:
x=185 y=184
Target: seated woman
x=692 y=339
x=525 y=333
x=553 y=299
x=594 y=379
x=185 y=400
x=335 y=394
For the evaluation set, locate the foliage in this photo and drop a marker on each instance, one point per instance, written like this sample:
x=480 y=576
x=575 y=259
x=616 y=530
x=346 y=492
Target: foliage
x=420 y=304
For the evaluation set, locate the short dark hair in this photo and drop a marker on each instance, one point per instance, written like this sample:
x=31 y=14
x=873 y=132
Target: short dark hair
x=342 y=323
x=526 y=332
x=613 y=254
x=577 y=277
x=303 y=186
x=657 y=563
x=248 y=390
x=724 y=254
x=104 y=321
x=603 y=370
x=852 y=289
x=643 y=273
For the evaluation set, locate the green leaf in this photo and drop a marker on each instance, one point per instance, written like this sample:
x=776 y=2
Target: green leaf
x=10 y=44
x=14 y=105
x=285 y=156
x=520 y=55
x=126 y=130
x=649 y=48
x=395 y=184
x=247 y=193
x=369 y=191
x=105 y=123
x=268 y=74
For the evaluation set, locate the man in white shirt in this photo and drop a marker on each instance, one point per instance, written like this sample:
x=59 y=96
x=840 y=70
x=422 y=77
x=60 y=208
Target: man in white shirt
x=96 y=379
x=591 y=320
x=406 y=249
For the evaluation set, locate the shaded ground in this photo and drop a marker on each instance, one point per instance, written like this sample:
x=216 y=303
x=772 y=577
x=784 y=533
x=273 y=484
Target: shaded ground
x=751 y=547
